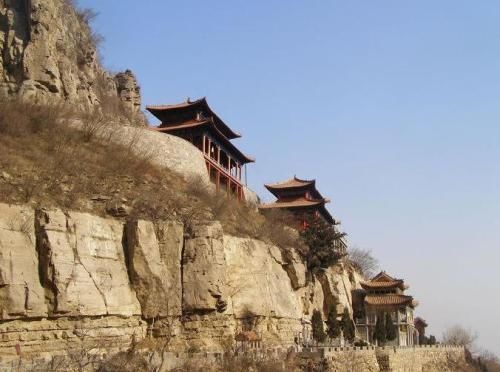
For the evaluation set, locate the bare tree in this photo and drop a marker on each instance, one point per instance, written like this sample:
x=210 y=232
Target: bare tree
x=363 y=261
x=459 y=336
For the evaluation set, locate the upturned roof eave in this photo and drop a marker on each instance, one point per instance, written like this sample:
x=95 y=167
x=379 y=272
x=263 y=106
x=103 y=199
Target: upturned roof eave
x=157 y=109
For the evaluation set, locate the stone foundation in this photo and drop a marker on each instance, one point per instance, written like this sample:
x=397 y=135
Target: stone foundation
x=435 y=358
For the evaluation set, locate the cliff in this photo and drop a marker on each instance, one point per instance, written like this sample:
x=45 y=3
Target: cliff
x=48 y=53
x=70 y=278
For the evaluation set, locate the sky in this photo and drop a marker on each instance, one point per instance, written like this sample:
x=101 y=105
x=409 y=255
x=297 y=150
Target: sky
x=392 y=106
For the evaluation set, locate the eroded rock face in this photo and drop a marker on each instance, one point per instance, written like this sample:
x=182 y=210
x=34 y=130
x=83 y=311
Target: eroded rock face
x=83 y=264
x=154 y=257
x=21 y=295
x=48 y=53
x=95 y=277
x=295 y=268
x=128 y=90
x=257 y=283
x=204 y=270
x=337 y=288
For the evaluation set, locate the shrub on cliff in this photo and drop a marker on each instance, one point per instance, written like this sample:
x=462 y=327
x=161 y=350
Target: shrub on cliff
x=321 y=239
x=48 y=162
x=348 y=327
x=318 y=330
x=332 y=323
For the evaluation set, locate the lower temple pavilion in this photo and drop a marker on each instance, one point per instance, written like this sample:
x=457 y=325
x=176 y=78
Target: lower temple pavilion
x=384 y=295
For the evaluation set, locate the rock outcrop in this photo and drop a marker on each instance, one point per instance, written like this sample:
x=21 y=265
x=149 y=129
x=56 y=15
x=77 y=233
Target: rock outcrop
x=82 y=262
x=204 y=270
x=21 y=295
x=118 y=281
x=48 y=53
x=154 y=257
x=257 y=283
x=128 y=90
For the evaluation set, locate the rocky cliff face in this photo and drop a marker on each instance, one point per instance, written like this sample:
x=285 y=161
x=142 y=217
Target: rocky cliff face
x=71 y=274
x=48 y=53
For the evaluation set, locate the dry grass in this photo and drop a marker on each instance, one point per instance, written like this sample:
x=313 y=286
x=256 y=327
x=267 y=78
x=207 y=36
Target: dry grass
x=50 y=164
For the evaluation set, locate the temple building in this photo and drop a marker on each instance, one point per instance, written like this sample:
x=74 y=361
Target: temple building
x=303 y=201
x=301 y=198
x=385 y=294
x=248 y=340
x=197 y=123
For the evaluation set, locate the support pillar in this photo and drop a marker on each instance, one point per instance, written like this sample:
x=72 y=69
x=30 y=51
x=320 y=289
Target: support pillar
x=399 y=327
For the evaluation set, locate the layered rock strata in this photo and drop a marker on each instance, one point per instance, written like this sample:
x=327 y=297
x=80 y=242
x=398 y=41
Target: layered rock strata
x=79 y=278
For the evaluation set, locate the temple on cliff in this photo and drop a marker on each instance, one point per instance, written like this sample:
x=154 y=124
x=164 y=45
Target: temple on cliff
x=197 y=123
x=301 y=198
x=303 y=201
x=384 y=294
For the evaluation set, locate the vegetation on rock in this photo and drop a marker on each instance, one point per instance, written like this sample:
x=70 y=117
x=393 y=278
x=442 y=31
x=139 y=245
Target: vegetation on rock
x=333 y=325
x=320 y=237
x=48 y=162
x=348 y=327
x=318 y=330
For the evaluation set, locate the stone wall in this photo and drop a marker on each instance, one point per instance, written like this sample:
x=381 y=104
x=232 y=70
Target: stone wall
x=437 y=358
x=424 y=358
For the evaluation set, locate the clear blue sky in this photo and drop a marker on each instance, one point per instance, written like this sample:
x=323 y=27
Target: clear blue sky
x=393 y=106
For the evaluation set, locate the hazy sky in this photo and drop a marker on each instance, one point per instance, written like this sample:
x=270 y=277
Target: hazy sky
x=393 y=106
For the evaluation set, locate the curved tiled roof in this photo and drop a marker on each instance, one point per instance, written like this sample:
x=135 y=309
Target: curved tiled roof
x=299 y=202
x=389 y=300
x=159 y=110
x=291 y=183
x=384 y=280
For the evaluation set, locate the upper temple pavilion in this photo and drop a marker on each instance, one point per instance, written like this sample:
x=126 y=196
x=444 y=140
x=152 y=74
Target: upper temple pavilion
x=197 y=123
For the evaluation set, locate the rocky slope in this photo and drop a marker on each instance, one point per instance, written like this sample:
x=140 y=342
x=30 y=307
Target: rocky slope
x=67 y=278
x=48 y=53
